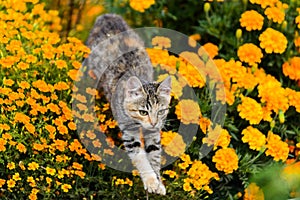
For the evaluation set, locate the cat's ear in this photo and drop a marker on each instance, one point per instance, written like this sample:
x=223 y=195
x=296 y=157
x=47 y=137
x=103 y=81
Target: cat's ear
x=165 y=86
x=134 y=87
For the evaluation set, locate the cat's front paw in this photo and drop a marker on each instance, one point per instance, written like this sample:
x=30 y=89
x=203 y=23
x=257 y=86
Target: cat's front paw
x=153 y=185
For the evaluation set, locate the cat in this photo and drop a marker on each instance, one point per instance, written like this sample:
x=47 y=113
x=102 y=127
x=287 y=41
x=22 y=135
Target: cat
x=139 y=104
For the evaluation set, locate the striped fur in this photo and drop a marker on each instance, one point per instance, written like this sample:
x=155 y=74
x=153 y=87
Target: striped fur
x=139 y=104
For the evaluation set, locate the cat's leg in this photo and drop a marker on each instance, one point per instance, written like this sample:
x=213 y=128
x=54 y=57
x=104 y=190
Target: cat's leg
x=153 y=150
x=138 y=156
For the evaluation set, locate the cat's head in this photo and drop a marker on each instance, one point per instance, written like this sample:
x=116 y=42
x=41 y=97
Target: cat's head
x=147 y=103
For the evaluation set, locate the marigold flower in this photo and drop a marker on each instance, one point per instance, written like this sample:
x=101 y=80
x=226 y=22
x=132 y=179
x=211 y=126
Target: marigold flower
x=140 y=5
x=254 y=138
x=226 y=160
x=2 y=182
x=250 y=54
x=66 y=187
x=252 y=20
x=250 y=110
x=21 y=148
x=11 y=183
x=170 y=173
x=2 y=144
x=218 y=137
x=173 y=143
x=276 y=148
x=267 y=39
x=33 y=166
x=188 y=111
x=253 y=192
x=11 y=165
x=291 y=68
x=50 y=171
x=265 y=3
x=161 y=42
x=275 y=14
x=211 y=49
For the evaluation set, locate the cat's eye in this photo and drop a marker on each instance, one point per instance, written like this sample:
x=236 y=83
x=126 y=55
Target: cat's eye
x=161 y=112
x=143 y=112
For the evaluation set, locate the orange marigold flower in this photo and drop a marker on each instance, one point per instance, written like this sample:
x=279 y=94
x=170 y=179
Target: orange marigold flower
x=30 y=128
x=2 y=182
x=141 y=6
x=61 y=86
x=8 y=82
x=276 y=148
x=161 y=42
x=291 y=68
x=61 y=64
x=265 y=3
x=250 y=54
x=267 y=39
x=253 y=192
x=252 y=20
x=211 y=49
x=275 y=14
x=188 y=111
x=21 y=148
x=226 y=160
x=24 y=85
x=250 y=110
x=218 y=137
x=22 y=65
x=172 y=143
x=254 y=138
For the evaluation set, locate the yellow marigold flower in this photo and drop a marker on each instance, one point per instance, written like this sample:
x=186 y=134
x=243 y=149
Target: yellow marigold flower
x=291 y=68
x=170 y=173
x=297 y=21
x=11 y=183
x=253 y=192
x=141 y=5
x=204 y=124
x=16 y=177
x=161 y=42
x=250 y=54
x=66 y=187
x=276 y=148
x=250 y=110
x=275 y=14
x=50 y=171
x=254 y=138
x=200 y=175
x=226 y=160
x=267 y=39
x=252 y=20
x=33 y=166
x=11 y=165
x=187 y=187
x=188 y=111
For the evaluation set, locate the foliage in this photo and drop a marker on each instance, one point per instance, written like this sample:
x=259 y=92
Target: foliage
x=255 y=45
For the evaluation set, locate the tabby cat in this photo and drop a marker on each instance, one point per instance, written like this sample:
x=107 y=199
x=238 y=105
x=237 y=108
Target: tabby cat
x=139 y=104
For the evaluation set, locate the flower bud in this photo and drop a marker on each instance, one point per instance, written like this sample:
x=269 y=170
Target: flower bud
x=206 y=7
x=281 y=116
x=238 y=33
x=284 y=25
x=272 y=124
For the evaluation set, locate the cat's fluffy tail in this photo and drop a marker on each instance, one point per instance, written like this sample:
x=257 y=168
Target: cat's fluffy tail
x=105 y=26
